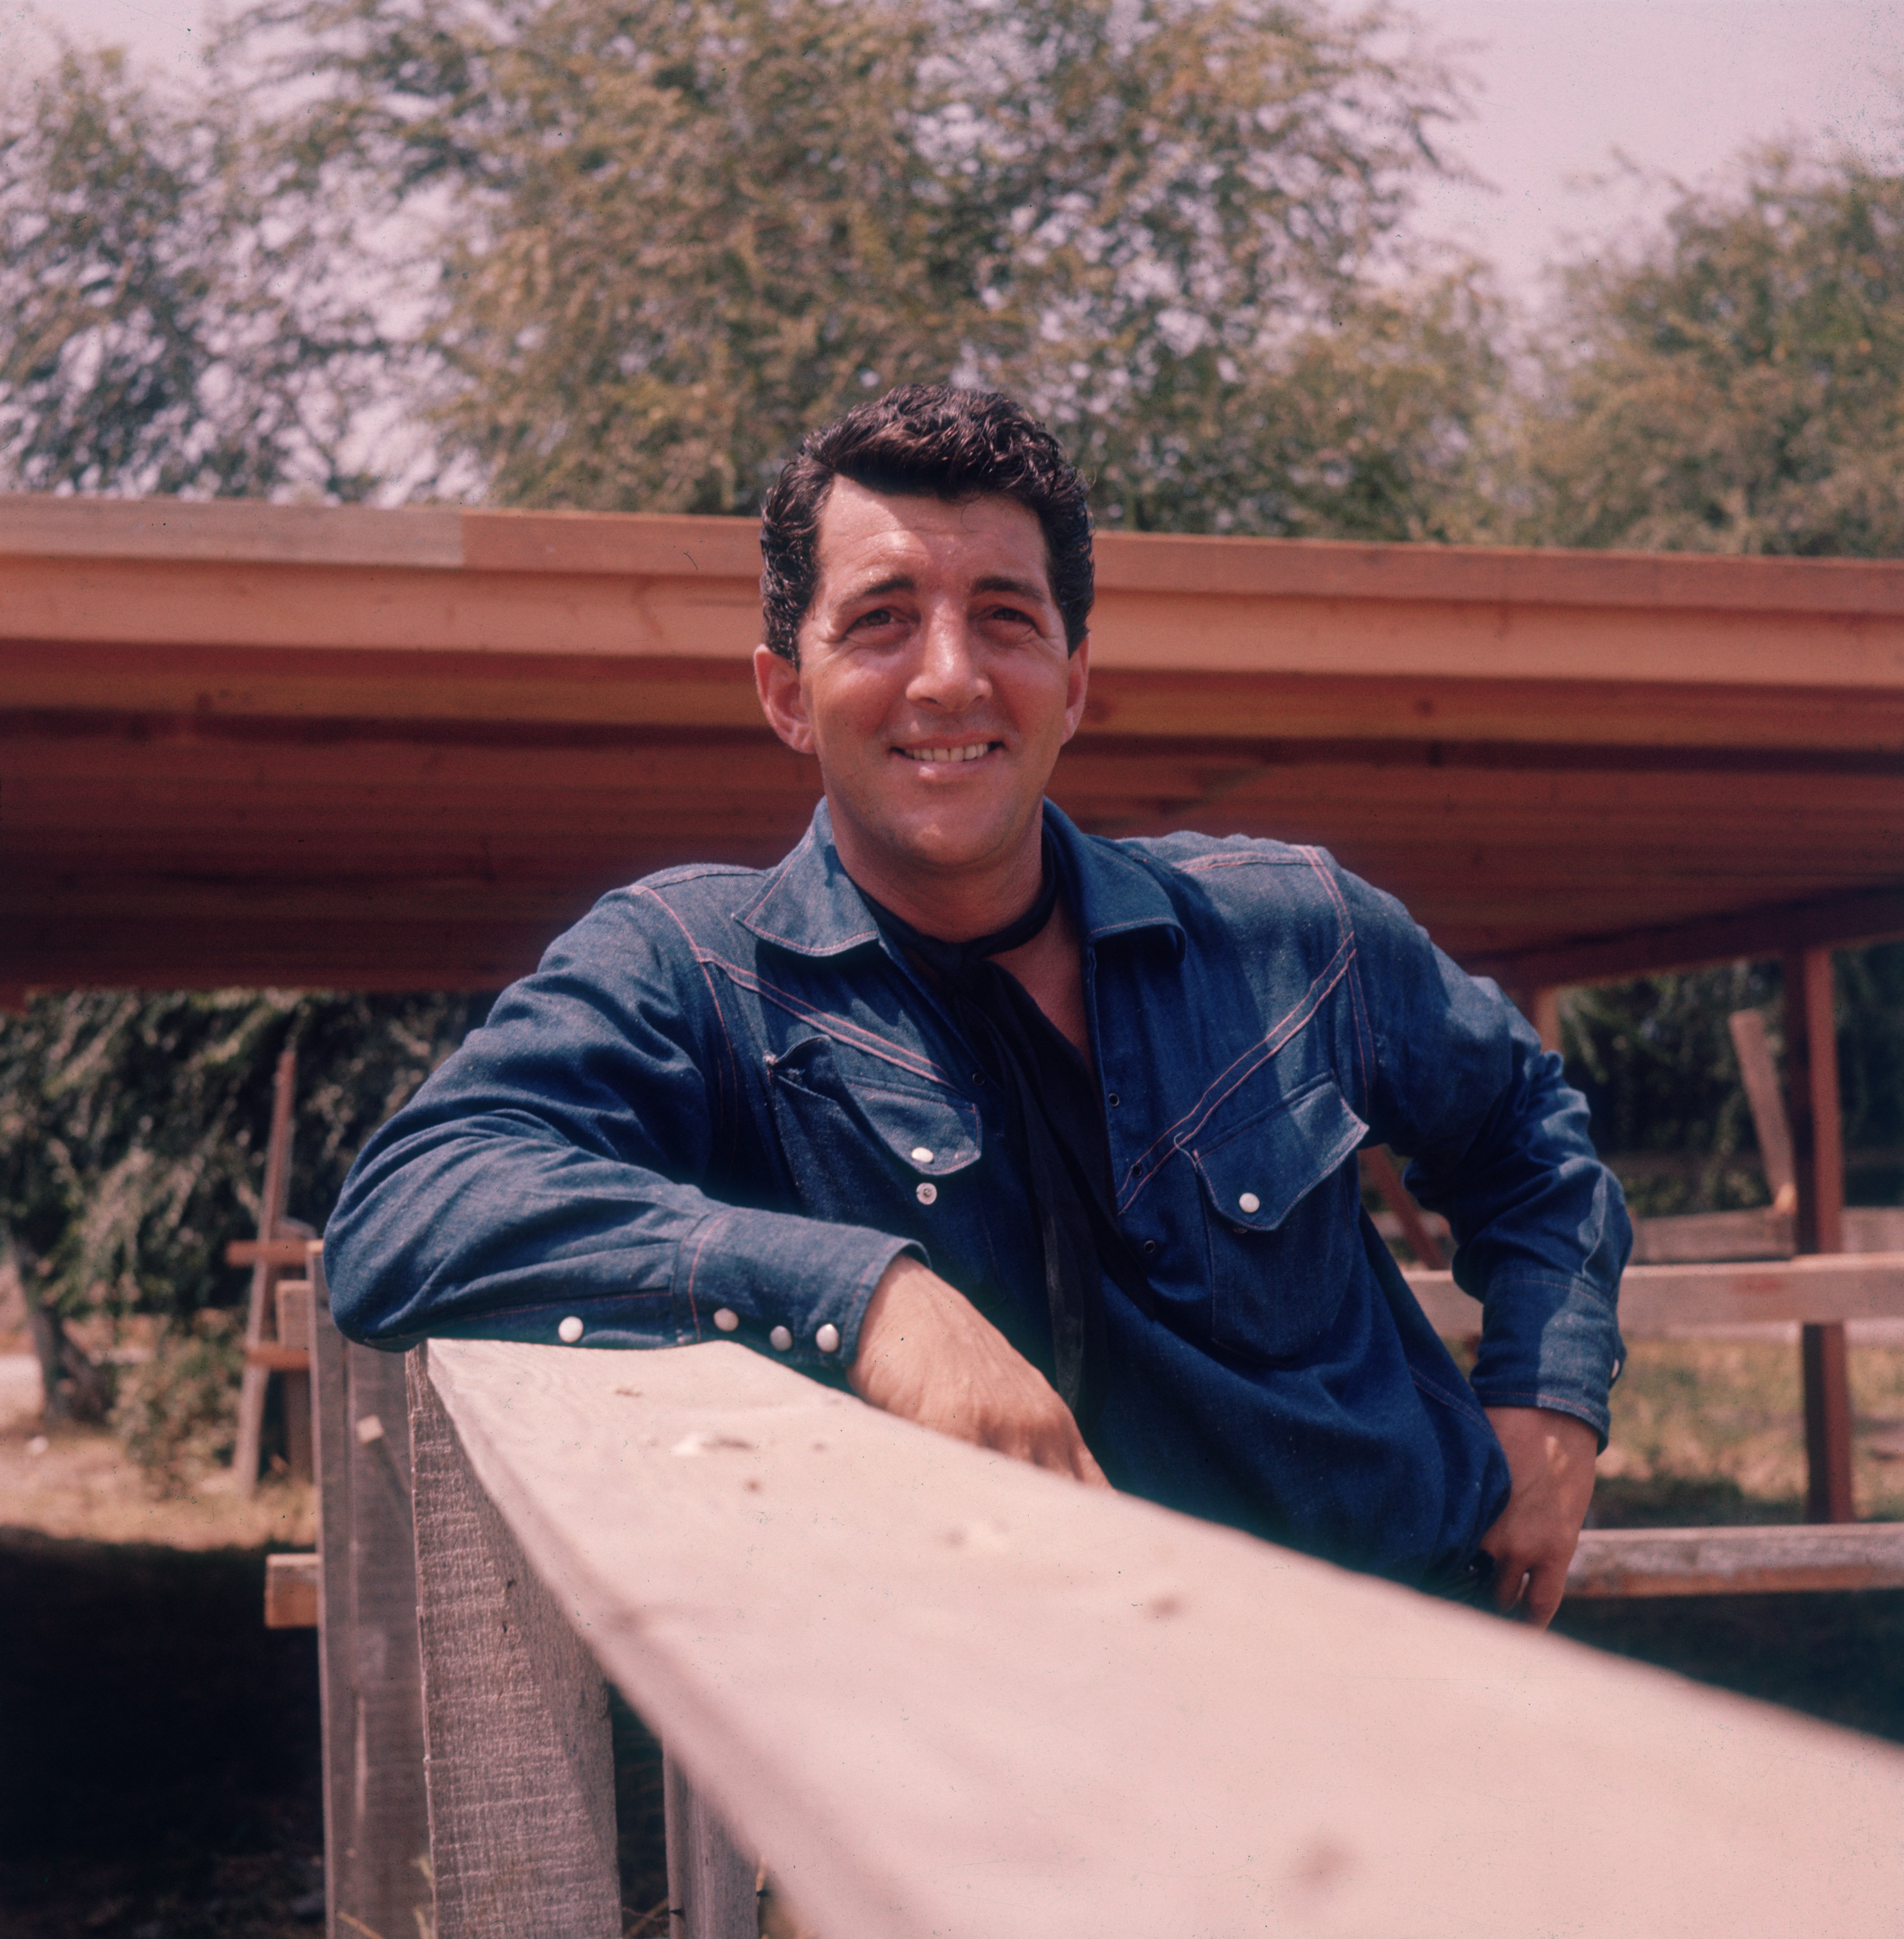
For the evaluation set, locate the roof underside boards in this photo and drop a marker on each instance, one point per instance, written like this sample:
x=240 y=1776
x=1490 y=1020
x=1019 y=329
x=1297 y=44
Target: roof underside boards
x=246 y=744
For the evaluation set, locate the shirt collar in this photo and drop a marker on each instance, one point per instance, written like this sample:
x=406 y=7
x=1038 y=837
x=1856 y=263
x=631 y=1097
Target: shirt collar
x=811 y=906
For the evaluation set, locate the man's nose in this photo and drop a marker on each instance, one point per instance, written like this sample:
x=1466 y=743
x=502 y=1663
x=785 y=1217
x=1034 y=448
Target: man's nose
x=948 y=676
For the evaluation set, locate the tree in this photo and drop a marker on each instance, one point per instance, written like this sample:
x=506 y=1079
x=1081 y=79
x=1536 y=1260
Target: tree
x=163 y=325
x=132 y=1129
x=1737 y=385
x=1734 y=384
x=669 y=236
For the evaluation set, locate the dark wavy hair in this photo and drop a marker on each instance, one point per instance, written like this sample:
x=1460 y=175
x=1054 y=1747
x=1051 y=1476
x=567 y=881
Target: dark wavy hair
x=925 y=441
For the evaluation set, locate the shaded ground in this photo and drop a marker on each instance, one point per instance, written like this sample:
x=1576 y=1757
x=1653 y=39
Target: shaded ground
x=159 y=1746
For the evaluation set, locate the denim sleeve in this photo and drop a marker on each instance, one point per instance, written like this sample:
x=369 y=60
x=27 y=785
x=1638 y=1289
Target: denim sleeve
x=546 y=1172
x=1498 y=1144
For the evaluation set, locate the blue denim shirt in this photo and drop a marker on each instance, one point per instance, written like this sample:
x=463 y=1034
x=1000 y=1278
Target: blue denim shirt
x=723 y=1094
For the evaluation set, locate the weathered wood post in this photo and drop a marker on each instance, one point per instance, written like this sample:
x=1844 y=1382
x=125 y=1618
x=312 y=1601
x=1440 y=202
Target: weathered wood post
x=1818 y=1155
x=519 y=1763
x=376 y=1822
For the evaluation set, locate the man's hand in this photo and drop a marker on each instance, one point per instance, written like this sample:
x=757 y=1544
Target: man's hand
x=1550 y=1456
x=927 y=1355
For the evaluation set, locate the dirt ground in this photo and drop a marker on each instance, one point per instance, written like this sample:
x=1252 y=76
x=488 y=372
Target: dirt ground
x=159 y=1746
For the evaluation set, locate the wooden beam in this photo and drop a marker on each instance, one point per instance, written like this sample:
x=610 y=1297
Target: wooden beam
x=1818 y=1157
x=1770 y=1124
x=943 y=1694
x=1379 y=1171
x=1836 y=922
x=1655 y=1299
x=1736 y=1561
x=376 y=1813
x=520 y=1771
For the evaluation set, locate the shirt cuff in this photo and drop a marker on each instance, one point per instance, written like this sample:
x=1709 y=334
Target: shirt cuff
x=1548 y=1342
x=797 y=1289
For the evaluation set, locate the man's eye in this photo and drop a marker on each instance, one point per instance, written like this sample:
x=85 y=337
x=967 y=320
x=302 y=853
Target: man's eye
x=881 y=616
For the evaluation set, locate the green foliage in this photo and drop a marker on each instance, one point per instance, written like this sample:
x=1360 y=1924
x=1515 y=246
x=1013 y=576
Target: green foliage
x=177 y=1413
x=1738 y=385
x=673 y=235
x=1655 y=1060
x=164 y=326
x=133 y=1126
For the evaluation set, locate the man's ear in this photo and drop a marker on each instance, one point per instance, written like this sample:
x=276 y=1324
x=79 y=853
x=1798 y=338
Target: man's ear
x=1077 y=681
x=776 y=680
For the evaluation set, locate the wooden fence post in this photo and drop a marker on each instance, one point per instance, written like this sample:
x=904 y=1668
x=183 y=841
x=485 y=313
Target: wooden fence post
x=712 y=1892
x=375 y=1818
x=520 y=1767
x=1818 y=1157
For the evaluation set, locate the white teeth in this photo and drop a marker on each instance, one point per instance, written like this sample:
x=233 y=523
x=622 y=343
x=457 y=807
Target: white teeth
x=944 y=756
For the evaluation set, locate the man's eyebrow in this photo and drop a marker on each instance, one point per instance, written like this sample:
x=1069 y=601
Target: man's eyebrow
x=1005 y=582
x=893 y=582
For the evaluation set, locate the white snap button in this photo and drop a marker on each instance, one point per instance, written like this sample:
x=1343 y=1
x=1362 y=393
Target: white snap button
x=779 y=1339
x=827 y=1338
x=570 y=1331
x=922 y=1154
x=1250 y=1202
x=927 y=1193
x=726 y=1319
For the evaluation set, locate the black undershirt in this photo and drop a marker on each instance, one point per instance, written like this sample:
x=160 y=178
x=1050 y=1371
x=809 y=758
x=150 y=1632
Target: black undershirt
x=1055 y=1130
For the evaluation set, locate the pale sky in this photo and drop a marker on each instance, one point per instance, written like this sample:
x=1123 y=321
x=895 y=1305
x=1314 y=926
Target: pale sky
x=1678 y=86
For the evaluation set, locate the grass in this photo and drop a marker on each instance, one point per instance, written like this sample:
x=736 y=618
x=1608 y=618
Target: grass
x=1712 y=1432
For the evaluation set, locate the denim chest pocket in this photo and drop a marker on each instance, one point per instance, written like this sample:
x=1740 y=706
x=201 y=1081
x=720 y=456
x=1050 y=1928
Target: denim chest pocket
x=1280 y=1245
x=851 y=1135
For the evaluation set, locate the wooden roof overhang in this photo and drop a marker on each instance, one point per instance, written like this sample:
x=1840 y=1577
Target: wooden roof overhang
x=261 y=744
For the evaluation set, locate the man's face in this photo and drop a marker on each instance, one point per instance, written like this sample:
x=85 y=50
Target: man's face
x=933 y=686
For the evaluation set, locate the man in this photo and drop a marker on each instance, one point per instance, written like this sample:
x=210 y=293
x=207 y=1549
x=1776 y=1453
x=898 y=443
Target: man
x=1045 y=1141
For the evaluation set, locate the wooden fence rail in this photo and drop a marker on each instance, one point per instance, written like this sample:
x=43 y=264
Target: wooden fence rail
x=940 y=1693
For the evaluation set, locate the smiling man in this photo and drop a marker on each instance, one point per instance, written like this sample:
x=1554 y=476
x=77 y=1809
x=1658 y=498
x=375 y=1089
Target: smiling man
x=1042 y=1140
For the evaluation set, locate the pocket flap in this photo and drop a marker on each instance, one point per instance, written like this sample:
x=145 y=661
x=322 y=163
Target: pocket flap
x=1257 y=1173
x=932 y=1133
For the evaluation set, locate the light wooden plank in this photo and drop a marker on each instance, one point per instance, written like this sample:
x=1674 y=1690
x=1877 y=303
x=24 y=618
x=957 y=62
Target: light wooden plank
x=227 y=530
x=1703 y=1238
x=945 y=1693
x=376 y=1814
x=1157 y=563
x=1655 y=1299
x=1766 y=1100
x=520 y=1771
x=1620 y=1563
x=291 y=1591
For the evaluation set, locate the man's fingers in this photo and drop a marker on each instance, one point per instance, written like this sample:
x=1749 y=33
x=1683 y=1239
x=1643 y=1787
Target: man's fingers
x=1545 y=1587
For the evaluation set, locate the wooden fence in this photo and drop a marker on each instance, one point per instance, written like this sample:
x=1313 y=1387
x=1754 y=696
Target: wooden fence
x=931 y=1691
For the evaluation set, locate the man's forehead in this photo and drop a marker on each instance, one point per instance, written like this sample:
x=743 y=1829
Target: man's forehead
x=863 y=533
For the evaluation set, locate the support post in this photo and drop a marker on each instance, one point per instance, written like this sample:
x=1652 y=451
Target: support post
x=520 y=1765
x=712 y=1889
x=376 y=1823
x=1818 y=1163
x=1545 y=1017
x=261 y=1317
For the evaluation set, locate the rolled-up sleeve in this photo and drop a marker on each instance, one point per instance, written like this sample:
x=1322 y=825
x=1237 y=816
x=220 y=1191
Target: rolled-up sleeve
x=1498 y=1143
x=549 y=1172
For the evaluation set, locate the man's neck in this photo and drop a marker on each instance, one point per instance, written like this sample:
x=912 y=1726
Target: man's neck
x=951 y=906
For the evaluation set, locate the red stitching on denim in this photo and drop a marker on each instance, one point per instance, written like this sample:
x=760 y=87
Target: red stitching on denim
x=879 y=1047
x=1257 y=1055
x=720 y=1015
x=694 y=1265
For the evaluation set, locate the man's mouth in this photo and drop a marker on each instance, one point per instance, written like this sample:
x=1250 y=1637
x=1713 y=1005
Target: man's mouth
x=945 y=756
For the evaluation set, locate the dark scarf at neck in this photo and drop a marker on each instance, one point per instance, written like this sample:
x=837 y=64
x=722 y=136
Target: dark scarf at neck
x=1054 y=1119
